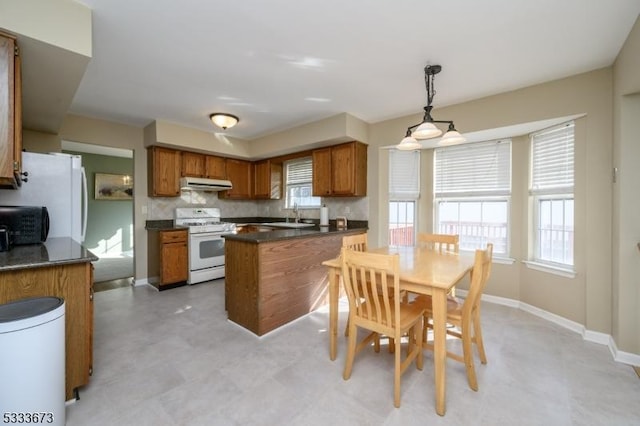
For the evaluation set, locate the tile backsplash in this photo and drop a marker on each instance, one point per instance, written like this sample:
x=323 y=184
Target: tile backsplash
x=163 y=208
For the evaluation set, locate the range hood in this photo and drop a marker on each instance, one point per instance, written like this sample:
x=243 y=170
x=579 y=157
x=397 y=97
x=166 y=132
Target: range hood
x=202 y=184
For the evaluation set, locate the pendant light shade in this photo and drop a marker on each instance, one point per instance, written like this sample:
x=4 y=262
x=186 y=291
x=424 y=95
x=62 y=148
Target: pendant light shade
x=409 y=143
x=426 y=131
x=451 y=137
x=427 y=128
x=223 y=120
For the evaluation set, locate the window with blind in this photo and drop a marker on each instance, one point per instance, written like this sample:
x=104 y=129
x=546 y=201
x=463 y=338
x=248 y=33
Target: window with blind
x=551 y=188
x=404 y=190
x=298 y=182
x=472 y=189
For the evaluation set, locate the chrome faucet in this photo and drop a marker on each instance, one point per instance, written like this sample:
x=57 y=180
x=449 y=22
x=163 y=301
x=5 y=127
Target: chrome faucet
x=296 y=212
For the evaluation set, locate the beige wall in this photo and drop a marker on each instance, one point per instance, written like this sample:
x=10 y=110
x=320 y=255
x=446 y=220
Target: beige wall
x=99 y=132
x=626 y=196
x=585 y=299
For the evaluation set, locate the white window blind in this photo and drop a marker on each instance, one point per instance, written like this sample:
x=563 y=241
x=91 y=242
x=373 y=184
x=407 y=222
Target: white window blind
x=478 y=169
x=298 y=177
x=404 y=175
x=299 y=171
x=552 y=160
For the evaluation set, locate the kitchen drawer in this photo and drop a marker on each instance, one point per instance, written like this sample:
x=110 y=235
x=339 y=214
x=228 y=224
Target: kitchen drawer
x=177 y=236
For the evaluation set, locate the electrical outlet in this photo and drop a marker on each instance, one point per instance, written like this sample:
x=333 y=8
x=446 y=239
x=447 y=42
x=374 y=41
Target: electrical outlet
x=347 y=210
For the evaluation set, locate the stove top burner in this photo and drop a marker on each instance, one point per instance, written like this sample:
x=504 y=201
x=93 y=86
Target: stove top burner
x=200 y=220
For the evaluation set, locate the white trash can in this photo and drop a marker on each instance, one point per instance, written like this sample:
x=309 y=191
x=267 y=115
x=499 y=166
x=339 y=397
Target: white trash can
x=32 y=361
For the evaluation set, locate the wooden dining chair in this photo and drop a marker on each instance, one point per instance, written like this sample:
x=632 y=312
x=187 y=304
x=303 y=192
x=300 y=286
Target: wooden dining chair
x=357 y=242
x=465 y=316
x=440 y=242
x=373 y=289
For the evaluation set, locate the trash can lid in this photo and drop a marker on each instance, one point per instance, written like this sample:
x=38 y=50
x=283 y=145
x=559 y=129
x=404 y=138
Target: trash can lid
x=28 y=308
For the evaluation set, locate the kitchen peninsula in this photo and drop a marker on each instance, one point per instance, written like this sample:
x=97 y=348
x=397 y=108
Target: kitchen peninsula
x=275 y=277
x=62 y=268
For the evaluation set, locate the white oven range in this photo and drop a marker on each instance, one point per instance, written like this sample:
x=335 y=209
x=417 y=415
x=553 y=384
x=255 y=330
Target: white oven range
x=206 y=244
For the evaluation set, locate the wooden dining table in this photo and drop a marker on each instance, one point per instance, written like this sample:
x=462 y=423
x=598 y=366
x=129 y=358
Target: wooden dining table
x=422 y=271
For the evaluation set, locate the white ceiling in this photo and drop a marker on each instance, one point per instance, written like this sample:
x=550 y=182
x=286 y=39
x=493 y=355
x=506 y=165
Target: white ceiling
x=281 y=63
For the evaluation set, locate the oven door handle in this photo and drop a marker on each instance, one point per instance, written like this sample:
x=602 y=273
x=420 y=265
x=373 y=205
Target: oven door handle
x=206 y=236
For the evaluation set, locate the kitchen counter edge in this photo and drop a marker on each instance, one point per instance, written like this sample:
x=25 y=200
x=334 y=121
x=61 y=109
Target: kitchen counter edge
x=287 y=234
x=54 y=251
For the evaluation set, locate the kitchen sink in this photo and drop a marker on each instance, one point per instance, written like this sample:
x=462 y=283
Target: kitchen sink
x=288 y=224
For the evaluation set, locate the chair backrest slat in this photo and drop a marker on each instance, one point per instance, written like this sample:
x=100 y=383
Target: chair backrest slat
x=440 y=242
x=373 y=286
x=357 y=242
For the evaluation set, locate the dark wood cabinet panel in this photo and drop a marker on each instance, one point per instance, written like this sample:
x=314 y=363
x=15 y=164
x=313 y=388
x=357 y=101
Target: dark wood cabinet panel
x=164 y=167
x=193 y=164
x=267 y=180
x=239 y=172
x=215 y=167
x=322 y=172
x=340 y=170
x=174 y=261
x=10 y=113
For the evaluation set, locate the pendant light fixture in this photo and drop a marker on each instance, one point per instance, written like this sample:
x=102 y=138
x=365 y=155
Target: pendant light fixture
x=224 y=120
x=427 y=129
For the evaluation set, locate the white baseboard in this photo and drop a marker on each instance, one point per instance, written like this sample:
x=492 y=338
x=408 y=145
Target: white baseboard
x=142 y=282
x=587 y=335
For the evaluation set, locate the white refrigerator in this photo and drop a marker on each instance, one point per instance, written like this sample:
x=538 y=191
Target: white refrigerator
x=58 y=182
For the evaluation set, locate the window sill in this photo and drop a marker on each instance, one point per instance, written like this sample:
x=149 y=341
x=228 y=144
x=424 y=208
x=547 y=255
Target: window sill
x=563 y=272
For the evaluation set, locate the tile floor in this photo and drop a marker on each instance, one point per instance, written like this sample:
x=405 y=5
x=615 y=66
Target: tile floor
x=172 y=358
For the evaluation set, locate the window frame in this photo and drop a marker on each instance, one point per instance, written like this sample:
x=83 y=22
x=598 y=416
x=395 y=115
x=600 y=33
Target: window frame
x=471 y=194
x=405 y=188
x=289 y=203
x=498 y=198
x=564 y=191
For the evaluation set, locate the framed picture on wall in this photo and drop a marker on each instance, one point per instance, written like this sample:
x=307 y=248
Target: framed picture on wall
x=113 y=187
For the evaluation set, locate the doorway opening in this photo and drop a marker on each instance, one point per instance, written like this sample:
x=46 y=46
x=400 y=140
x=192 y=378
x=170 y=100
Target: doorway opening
x=110 y=230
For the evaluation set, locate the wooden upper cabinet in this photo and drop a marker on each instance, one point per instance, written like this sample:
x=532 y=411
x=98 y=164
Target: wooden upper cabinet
x=10 y=113
x=267 y=177
x=239 y=172
x=164 y=168
x=322 y=172
x=193 y=164
x=340 y=170
x=215 y=167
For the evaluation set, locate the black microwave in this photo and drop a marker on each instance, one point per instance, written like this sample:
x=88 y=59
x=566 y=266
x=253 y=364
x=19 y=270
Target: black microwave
x=23 y=225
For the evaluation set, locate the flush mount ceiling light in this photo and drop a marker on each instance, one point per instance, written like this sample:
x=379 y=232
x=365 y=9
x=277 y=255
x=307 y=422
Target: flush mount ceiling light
x=426 y=129
x=224 y=120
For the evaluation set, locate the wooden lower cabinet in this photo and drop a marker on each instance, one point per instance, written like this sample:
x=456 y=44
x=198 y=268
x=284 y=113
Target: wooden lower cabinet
x=74 y=284
x=168 y=257
x=270 y=284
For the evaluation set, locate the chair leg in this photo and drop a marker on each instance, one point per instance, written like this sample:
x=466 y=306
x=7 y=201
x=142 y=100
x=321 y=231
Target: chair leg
x=396 y=373
x=418 y=337
x=346 y=329
x=468 y=354
x=477 y=335
x=351 y=351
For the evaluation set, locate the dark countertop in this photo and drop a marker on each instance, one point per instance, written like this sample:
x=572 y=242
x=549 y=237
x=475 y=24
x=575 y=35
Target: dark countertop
x=54 y=251
x=286 y=234
x=160 y=225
